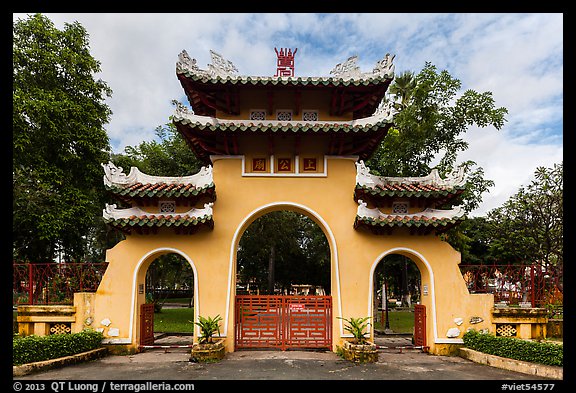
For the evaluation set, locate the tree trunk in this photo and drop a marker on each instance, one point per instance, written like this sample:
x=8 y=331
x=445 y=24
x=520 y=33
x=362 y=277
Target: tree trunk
x=405 y=294
x=271 y=267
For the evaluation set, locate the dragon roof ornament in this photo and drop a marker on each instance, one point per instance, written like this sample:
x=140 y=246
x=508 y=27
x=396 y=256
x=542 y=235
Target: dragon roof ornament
x=115 y=176
x=349 y=69
x=364 y=178
x=220 y=67
x=223 y=68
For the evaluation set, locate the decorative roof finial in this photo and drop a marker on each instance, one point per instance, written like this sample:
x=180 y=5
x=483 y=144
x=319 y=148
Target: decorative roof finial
x=285 y=62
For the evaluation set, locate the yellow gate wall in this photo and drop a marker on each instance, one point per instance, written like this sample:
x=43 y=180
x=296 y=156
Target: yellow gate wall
x=355 y=254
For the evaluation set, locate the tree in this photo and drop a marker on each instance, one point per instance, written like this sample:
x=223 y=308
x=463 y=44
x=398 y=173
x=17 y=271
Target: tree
x=428 y=127
x=59 y=141
x=529 y=226
x=403 y=88
x=170 y=156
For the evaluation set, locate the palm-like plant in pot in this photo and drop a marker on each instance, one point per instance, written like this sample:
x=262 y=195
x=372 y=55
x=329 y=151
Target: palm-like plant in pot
x=208 y=328
x=359 y=349
x=208 y=350
x=358 y=327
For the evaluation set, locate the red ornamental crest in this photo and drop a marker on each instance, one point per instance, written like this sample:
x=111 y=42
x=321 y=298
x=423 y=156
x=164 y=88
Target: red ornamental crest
x=285 y=62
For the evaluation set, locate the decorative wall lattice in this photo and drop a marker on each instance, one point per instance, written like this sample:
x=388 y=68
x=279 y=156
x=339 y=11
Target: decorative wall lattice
x=400 y=207
x=258 y=115
x=506 y=330
x=284 y=115
x=310 y=115
x=60 y=328
x=167 y=206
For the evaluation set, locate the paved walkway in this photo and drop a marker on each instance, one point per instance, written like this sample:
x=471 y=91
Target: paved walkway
x=174 y=364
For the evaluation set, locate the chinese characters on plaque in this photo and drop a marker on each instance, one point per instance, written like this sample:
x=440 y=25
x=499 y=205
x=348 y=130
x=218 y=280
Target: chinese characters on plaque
x=259 y=165
x=310 y=164
x=284 y=165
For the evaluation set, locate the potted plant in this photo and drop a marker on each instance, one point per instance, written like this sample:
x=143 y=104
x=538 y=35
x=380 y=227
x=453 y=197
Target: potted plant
x=359 y=349
x=208 y=350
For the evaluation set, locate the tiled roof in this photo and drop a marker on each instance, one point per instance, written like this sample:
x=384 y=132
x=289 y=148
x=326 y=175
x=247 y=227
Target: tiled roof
x=147 y=223
x=134 y=218
x=429 y=186
x=409 y=190
x=375 y=220
x=140 y=185
x=161 y=190
x=283 y=81
x=206 y=123
x=345 y=74
x=398 y=220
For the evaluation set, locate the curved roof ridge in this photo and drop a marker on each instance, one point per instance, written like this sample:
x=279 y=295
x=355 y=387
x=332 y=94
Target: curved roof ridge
x=428 y=213
x=384 y=114
x=222 y=69
x=111 y=212
x=366 y=179
x=114 y=176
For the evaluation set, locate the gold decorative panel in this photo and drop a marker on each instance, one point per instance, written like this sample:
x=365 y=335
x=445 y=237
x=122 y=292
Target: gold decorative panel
x=506 y=330
x=60 y=328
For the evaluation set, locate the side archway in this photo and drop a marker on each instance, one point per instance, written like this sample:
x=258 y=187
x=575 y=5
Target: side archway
x=427 y=289
x=139 y=286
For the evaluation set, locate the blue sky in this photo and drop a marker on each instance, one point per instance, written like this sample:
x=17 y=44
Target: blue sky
x=518 y=57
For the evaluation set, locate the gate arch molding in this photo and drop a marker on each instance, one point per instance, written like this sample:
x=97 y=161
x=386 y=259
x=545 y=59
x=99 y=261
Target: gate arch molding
x=268 y=208
x=141 y=268
x=425 y=269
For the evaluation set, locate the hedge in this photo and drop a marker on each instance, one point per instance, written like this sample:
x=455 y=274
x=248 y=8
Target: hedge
x=34 y=348
x=514 y=348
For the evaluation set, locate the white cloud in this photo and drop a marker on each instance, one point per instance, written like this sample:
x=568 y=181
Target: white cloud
x=518 y=57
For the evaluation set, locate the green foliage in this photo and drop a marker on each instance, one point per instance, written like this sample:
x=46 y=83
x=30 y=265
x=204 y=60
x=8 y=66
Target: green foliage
x=428 y=127
x=38 y=348
x=514 y=348
x=169 y=156
x=59 y=140
x=208 y=327
x=530 y=225
x=357 y=327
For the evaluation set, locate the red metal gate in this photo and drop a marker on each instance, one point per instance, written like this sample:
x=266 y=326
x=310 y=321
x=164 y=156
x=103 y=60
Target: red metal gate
x=283 y=322
x=147 y=324
x=420 y=325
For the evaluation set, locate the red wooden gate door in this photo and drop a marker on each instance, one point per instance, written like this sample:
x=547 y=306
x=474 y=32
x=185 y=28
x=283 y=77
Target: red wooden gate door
x=420 y=325
x=283 y=322
x=147 y=324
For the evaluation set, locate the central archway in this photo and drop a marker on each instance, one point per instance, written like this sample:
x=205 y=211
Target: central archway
x=320 y=222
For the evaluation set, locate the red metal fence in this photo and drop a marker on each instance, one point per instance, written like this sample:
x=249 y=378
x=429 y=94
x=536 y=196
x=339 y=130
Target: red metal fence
x=54 y=283
x=537 y=284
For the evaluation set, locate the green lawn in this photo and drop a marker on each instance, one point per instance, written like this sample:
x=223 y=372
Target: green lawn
x=174 y=320
x=400 y=322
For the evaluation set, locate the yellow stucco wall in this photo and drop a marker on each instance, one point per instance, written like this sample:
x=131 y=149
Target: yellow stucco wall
x=355 y=254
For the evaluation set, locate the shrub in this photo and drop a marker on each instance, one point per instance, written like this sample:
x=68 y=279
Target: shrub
x=514 y=348
x=37 y=348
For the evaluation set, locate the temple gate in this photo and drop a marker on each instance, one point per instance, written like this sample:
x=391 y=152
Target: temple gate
x=286 y=143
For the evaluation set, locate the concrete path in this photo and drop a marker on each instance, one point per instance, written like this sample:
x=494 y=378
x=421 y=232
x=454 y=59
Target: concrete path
x=174 y=364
